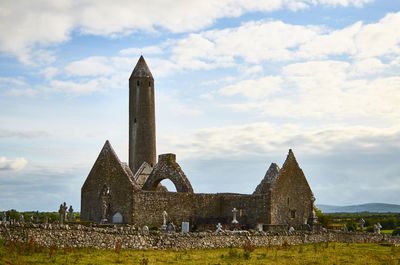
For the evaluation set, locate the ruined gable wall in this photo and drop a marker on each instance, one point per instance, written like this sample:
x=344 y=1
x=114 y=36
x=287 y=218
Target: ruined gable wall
x=107 y=170
x=149 y=205
x=290 y=192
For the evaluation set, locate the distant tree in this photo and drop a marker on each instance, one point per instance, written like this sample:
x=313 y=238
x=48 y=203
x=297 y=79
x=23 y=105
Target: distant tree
x=351 y=225
x=396 y=232
x=13 y=214
x=324 y=219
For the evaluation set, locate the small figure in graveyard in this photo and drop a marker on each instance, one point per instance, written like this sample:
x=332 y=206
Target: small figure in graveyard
x=21 y=218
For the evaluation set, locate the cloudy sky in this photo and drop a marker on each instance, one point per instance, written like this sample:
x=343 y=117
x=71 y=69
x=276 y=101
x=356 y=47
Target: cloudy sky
x=238 y=83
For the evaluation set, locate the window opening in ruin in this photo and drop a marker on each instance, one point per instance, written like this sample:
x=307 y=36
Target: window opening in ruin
x=169 y=185
x=293 y=213
x=149 y=84
x=138 y=83
x=288 y=200
x=151 y=164
x=134 y=120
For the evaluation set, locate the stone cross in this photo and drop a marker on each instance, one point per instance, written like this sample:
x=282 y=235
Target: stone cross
x=65 y=208
x=377 y=228
x=362 y=222
x=164 y=215
x=61 y=212
x=219 y=228
x=70 y=211
x=234 y=211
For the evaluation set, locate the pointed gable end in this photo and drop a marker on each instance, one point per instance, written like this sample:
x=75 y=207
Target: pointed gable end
x=292 y=172
x=106 y=165
x=268 y=180
x=290 y=195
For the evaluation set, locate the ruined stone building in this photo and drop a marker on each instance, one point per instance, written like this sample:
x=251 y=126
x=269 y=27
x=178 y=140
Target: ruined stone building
x=115 y=192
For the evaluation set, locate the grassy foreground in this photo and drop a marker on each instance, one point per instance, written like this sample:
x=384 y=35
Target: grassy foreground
x=323 y=253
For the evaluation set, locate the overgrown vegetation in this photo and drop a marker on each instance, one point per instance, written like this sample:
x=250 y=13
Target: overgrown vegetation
x=390 y=222
x=323 y=253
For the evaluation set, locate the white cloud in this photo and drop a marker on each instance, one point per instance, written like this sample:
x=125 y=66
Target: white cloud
x=25 y=25
x=91 y=66
x=263 y=139
x=50 y=72
x=254 y=89
x=16 y=164
x=322 y=90
x=144 y=50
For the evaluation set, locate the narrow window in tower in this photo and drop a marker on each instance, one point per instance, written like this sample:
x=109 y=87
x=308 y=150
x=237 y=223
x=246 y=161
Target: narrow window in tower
x=293 y=213
x=138 y=83
x=149 y=84
x=134 y=120
x=288 y=200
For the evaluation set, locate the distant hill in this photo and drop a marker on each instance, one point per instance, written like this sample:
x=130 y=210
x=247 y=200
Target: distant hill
x=368 y=207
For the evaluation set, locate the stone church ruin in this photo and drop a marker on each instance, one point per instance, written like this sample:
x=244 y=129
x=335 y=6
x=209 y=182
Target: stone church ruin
x=115 y=192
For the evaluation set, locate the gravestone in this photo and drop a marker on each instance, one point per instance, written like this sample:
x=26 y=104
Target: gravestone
x=170 y=228
x=37 y=217
x=234 y=221
x=219 y=228
x=21 y=219
x=259 y=227
x=362 y=222
x=164 y=225
x=291 y=229
x=145 y=228
x=65 y=212
x=4 y=217
x=70 y=211
x=377 y=228
x=185 y=227
x=117 y=218
x=61 y=213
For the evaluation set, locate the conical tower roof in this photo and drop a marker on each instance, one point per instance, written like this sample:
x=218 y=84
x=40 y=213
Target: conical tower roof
x=141 y=69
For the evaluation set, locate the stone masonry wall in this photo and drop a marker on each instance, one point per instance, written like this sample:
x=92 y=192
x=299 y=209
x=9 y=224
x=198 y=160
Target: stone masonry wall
x=184 y=207
x=291 y=195
x=107 y=238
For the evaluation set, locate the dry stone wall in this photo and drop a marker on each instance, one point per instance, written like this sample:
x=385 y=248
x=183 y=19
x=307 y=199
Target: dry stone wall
x=106 y=238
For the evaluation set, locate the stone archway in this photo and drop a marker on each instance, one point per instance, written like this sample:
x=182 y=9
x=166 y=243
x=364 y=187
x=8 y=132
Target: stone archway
x=167 y=168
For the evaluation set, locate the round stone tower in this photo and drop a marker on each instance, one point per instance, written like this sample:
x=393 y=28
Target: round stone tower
x=142 y=124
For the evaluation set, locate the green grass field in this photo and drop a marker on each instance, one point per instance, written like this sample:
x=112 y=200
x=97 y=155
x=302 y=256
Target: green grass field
x=323 y=253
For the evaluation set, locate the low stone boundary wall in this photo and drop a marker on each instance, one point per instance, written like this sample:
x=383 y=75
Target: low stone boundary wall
x=107 y=238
